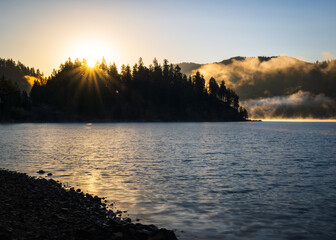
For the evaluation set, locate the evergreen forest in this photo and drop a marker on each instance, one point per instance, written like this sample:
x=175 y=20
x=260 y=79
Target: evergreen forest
x=79 y=93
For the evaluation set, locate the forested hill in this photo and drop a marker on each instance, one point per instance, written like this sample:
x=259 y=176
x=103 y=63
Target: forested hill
x=77 y=92
x=18 y=73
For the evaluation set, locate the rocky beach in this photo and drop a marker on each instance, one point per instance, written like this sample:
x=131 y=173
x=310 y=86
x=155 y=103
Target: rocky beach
x=39 y=208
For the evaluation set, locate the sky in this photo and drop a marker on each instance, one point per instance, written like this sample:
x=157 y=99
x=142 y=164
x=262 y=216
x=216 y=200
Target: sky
x=43 y=34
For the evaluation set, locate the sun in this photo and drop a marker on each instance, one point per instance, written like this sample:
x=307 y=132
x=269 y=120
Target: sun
x=91 y=62
x=91 y=50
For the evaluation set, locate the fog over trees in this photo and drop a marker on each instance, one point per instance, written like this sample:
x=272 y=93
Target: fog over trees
x=277 y=87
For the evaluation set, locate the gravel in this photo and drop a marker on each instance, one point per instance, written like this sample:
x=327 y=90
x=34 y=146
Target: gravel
x=37 y=208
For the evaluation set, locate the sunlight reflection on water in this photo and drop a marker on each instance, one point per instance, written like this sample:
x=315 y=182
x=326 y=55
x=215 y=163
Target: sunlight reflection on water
x=210 y=180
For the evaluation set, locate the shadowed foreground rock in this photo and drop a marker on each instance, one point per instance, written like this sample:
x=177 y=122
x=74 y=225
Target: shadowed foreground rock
x=33 y=208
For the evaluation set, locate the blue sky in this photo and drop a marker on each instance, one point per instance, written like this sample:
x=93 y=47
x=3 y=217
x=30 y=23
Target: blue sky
x=45 y=33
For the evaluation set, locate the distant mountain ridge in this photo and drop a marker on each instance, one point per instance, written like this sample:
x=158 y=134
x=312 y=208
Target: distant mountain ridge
x=188 y=67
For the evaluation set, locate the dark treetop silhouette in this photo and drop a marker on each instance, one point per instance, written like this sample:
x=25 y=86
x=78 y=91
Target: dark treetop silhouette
x=77 y=92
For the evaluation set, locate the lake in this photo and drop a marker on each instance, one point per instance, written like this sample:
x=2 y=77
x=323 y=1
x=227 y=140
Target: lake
x=244 y=180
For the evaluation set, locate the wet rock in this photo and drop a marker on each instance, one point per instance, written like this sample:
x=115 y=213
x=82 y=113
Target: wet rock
x=49 y=174
x=5 y=234
x=37 y=208
x=118 y=234
x=153 y=228
x=40 y=172
x=163 y=234
x=97 y=199
x=88 y=196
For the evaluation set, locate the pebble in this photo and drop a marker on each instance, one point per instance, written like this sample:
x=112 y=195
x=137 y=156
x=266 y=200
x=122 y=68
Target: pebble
x=49 y=211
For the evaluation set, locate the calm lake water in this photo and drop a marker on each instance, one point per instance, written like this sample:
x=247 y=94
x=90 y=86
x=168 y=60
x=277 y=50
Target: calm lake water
x=255 y=180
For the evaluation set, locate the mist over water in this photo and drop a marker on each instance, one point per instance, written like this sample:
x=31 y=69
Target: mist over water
x=210 y=180
x=300 y=105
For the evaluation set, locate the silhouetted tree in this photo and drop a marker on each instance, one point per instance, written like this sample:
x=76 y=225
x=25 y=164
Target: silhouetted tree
x=10 y=101
x=103 y=65
x=165 y=70
x=235 y=100
x=243 y=113
x=126 y=74
x=222 y=91
x=112 y=70
x=213 y=87
x=157 y=71
x=199 y=83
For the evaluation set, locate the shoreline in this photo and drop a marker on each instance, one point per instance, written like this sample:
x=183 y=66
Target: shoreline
x=40 y=208
x=133 y=121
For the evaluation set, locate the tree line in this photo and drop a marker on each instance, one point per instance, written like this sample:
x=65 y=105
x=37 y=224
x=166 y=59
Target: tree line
x=77 y=92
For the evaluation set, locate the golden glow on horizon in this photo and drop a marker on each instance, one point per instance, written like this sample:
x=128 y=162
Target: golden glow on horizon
x=298 y=120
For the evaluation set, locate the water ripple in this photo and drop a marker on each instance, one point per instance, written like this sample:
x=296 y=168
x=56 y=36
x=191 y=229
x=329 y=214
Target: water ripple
x=206 y=180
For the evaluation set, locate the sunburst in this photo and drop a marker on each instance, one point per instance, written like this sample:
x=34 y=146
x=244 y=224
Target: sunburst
x=91 y=62
x=92 y=51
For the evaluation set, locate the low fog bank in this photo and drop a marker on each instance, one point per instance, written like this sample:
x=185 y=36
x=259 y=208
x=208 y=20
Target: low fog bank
x=298 y=105
x=279 y=87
